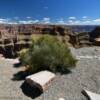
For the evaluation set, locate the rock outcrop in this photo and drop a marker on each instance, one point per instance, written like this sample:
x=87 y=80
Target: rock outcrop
x=15 y=37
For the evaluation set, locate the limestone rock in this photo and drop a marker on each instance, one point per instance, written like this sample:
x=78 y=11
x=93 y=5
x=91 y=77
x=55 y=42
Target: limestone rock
x=92 y=96
x=61 y=99
x=41 y=79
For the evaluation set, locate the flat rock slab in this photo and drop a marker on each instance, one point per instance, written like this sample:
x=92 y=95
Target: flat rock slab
x=92 y=96
x=41 y=79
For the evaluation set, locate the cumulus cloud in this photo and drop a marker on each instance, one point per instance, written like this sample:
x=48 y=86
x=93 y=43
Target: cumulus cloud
x=80 y=22
x=4 y=21
x=17 y=21
x=16 y=18
x=61 y=21
x=24 y=22
x=72 y=22
x=72 y=18
x=87 y=22
x=46 y=20
x=36 y=21
x=13 y=22
x=28 y=22
x=28 y=17
x=84 y=17
x=84 y=22
x=97 y=20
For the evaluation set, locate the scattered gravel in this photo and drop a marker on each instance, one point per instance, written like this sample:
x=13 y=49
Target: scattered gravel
x=68 y=86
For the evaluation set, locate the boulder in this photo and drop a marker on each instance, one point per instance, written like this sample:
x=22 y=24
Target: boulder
x=92 y=96
x=41 y=79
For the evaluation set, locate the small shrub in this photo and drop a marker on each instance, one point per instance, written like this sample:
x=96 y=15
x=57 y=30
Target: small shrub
x=24 y=56
x=47 y=53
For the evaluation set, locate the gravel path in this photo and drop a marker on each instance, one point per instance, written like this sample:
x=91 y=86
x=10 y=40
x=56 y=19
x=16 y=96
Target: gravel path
x=69 y=86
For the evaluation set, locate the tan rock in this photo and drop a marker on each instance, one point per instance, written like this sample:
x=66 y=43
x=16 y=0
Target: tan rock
x=41 y=79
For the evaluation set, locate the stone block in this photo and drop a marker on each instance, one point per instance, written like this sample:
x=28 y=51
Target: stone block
x=41 y=79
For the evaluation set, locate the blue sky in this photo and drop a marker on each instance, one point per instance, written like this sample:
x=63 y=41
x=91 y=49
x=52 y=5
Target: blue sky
x=84 y=12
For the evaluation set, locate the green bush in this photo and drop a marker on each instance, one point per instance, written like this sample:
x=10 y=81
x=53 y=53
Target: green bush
x=24 y=56
x=47 y=53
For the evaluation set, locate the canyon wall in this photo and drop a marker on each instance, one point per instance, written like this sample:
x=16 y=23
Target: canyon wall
x=15 y=37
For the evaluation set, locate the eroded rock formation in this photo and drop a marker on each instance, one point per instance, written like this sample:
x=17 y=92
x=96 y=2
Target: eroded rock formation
x=15 y=37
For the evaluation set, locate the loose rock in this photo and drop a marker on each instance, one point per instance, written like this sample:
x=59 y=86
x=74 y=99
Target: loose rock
x=93 y=96
x=41 y=79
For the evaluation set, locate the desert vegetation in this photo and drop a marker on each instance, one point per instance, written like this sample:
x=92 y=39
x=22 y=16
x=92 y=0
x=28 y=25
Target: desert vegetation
x=47 y=53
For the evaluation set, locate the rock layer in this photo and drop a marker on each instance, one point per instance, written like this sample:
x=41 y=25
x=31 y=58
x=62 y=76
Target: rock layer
x=15 y=37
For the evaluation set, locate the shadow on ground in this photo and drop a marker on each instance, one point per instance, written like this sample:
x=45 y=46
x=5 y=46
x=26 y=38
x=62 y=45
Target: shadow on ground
x=62 y=72
x=29 y=91
x=20 y=75
x=65 y=72
x=17 y=65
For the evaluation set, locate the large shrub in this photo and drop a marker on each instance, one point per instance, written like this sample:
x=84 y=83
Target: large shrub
x=48 y=53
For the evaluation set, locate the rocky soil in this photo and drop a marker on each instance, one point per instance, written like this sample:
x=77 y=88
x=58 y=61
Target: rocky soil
x=68 y=86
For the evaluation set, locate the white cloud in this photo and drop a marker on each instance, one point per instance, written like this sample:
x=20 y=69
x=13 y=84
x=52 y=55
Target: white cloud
x=14 y=21
x=25 y=22
x=1 y=19
x=97 y=20
x=36 y=21
x=16 y=18
x=87 y=22
x=61 y=21
x=28 y=17
x=84 y=22
x=77 y=22
x=28 y=22
x=72 y=18
x=4 y=21
x=84 y=17
x=46 y=20
x=71 y=22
